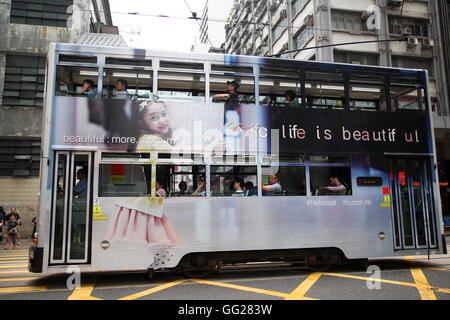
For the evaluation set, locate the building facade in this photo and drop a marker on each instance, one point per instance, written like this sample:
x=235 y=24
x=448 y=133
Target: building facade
x=212 y=23
x=257 y=27
x=27 y=28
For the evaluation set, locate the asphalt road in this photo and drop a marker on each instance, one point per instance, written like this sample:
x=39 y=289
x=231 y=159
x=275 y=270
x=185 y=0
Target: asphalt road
x=404 y=278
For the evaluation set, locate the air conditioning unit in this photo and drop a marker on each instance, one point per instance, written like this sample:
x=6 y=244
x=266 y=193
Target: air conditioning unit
x=394 y=3
x=258 y=51
x=412 y=42
x=283 y=13
x=407 y=31
x=309 y=20
x=284 y=47
x=427 y=43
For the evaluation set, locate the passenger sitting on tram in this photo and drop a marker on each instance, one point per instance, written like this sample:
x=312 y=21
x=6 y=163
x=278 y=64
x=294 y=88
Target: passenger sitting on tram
x=88 y=88
x=291 y=98
x=250 y=189
x=183 y=188
x=273 y=187
x=201 y=190
x=121 y=89
x=238 y=188
x=160 y=192
x=335 y=187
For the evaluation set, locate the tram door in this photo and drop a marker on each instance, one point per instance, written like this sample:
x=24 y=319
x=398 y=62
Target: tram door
x=412 y=204
x=71 y=205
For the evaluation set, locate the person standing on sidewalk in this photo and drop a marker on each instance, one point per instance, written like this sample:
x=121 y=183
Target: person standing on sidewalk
x=18 y=220
x=13 y=231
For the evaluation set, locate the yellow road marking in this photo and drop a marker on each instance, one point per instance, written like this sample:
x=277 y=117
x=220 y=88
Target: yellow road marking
x=83 y=293
x=437 y=269
x=15 y=271
x=371 y=279
x=22 y=289
x=300 y=291
x=13 y=261
x=425 y=291
x=238 y=287
x=14 y=266
x=18 y=279
x=14 y=258
x=443 y=290
x=153 y=290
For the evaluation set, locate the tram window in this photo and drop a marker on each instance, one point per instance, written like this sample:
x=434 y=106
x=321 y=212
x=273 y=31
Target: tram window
x=127 y=84
x=330 y=181
x=124 y=180
x=76 y=81
x=329 y=159
x=223 y=180
x=128 y=62
x=181 y=86
x=181 y=180
x=246 y=90
x=291 y=182
x=274 y=86
x=77 y=59
x=325 y=90
x=406 y=98
x=367 y=92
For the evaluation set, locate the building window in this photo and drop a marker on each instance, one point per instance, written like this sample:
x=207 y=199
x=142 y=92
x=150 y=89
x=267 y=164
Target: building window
x=414 y=27
x=279 y=28
x=41 y=12
x=297 y=6
x=20 y=157
x=303 y=37
x=24 y=81
x=348 y=21
x=356 y=58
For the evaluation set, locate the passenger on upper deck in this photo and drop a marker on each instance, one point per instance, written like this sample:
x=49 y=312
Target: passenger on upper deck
x=291 y=98
x=274 y=185
x=335 y=187
x=88 y=88
x=121 y=89
x=232 y=95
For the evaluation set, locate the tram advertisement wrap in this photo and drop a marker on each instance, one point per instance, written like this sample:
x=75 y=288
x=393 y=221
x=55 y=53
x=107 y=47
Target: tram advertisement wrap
x=215 y=127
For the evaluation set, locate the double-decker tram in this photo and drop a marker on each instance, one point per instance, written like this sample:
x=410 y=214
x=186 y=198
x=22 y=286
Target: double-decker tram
x=149 y=164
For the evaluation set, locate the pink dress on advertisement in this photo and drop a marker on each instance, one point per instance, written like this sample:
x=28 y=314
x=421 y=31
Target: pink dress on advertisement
x=142 y=221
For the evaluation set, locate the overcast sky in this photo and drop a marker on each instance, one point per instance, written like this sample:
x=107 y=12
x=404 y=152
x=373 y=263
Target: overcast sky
x=157 y=33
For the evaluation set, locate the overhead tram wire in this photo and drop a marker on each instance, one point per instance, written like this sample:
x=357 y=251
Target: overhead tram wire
x=335 y=45
x=194 y=16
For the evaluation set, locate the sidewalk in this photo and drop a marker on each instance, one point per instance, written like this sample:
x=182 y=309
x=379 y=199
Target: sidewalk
x=24 y=244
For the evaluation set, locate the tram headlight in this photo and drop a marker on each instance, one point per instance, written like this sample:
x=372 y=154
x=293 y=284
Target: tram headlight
x=381 y=235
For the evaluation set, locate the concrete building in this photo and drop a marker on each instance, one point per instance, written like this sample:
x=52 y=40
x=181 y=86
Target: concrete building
x=258 y=27
x=27 y=28
x=213 y=21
